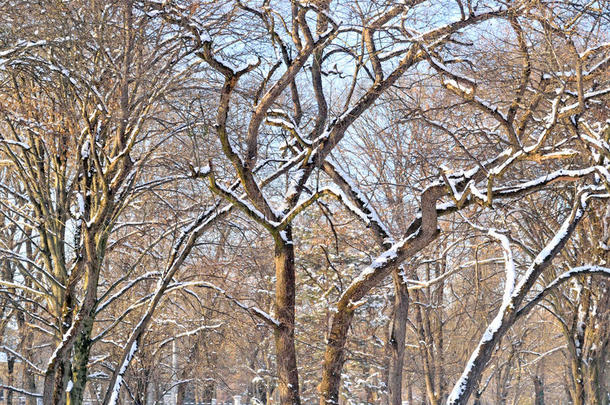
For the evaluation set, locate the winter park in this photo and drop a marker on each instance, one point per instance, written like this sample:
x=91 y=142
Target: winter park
x=296 y=202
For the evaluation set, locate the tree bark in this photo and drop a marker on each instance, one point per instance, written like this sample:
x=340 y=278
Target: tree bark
x=10 y=368
x=82 y=347
x=421 y=320
x=396 y=343
x=285 y=291
x=578 y=390
x=28 y=376
x=334 y=357
x=538 y=390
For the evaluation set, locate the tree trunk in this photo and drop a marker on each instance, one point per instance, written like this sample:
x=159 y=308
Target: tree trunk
x=578 y=389
x=396 y=343
x=288 y=376
x=181 y=394
x=334 y=357
x=82 y=347
x=538 y=390
x=28 y=376
x=425 y=343
x=10 y=367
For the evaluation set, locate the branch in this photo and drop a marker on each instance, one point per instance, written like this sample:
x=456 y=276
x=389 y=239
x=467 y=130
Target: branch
x=588 y=269
x=21 y=391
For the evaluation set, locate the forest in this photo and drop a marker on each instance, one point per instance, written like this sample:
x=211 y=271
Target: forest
x=333 y=202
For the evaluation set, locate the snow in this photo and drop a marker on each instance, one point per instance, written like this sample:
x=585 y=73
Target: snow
x=547 y=179
x=587 y=269
x=285 y=238
x=251 y=61
x=380 y=262
x=509 y=266
x=490 y=332
x=279 y=122
x=22 y=145
x=64 y=341
x=189 y=333
x=98 y=375
x=81 y=204
x=508 y=301
x=84 y=152
x=249 y=207
x=18 y=357
x=201 y=170
x=475 y=192
x=394 y=52
x=552 y=245
x=126 y=288
x=458 y=86
x=292 y=188
x=597 y=66
x=586 y=96
x=371 y=214
x=119 y=381
x=593 y=49
x=23 y=45
x=348 y=204
x=265 y=315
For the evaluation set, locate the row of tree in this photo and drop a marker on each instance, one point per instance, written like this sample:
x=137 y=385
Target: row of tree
x=360 y=201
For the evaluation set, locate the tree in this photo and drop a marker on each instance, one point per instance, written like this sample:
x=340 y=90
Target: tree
x=154 y=158
x=78 y=133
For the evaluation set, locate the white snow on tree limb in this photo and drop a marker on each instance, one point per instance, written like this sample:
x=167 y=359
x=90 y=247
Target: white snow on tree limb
x=117 y=385
x=504 y=315
x=371 y=215
x=509 y=265
x=20 y=391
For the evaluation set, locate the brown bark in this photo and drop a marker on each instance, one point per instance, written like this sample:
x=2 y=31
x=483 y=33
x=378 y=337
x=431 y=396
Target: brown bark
x=186 y=371
x=10 y=368
x=578 y=390
x=334 y=356
x=597 y=380
x=396 y=343
x=285 y=292
x=422 y=320
x=538 y=390
x=28 y=374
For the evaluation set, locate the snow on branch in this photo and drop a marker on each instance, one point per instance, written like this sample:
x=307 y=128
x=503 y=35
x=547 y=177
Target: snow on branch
x=127 y=287
x=20 y=391
x=22 y=358
x=577 y=271
x=509 y=264
x=116 y=388
x=506 y=315
x=18 y=257
x=454 y=81
x=178 y=255
x=357 y=202
x=23 y=287
x=251 y=310
x=188 y=333
x=242 y=203
x=420 y=285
